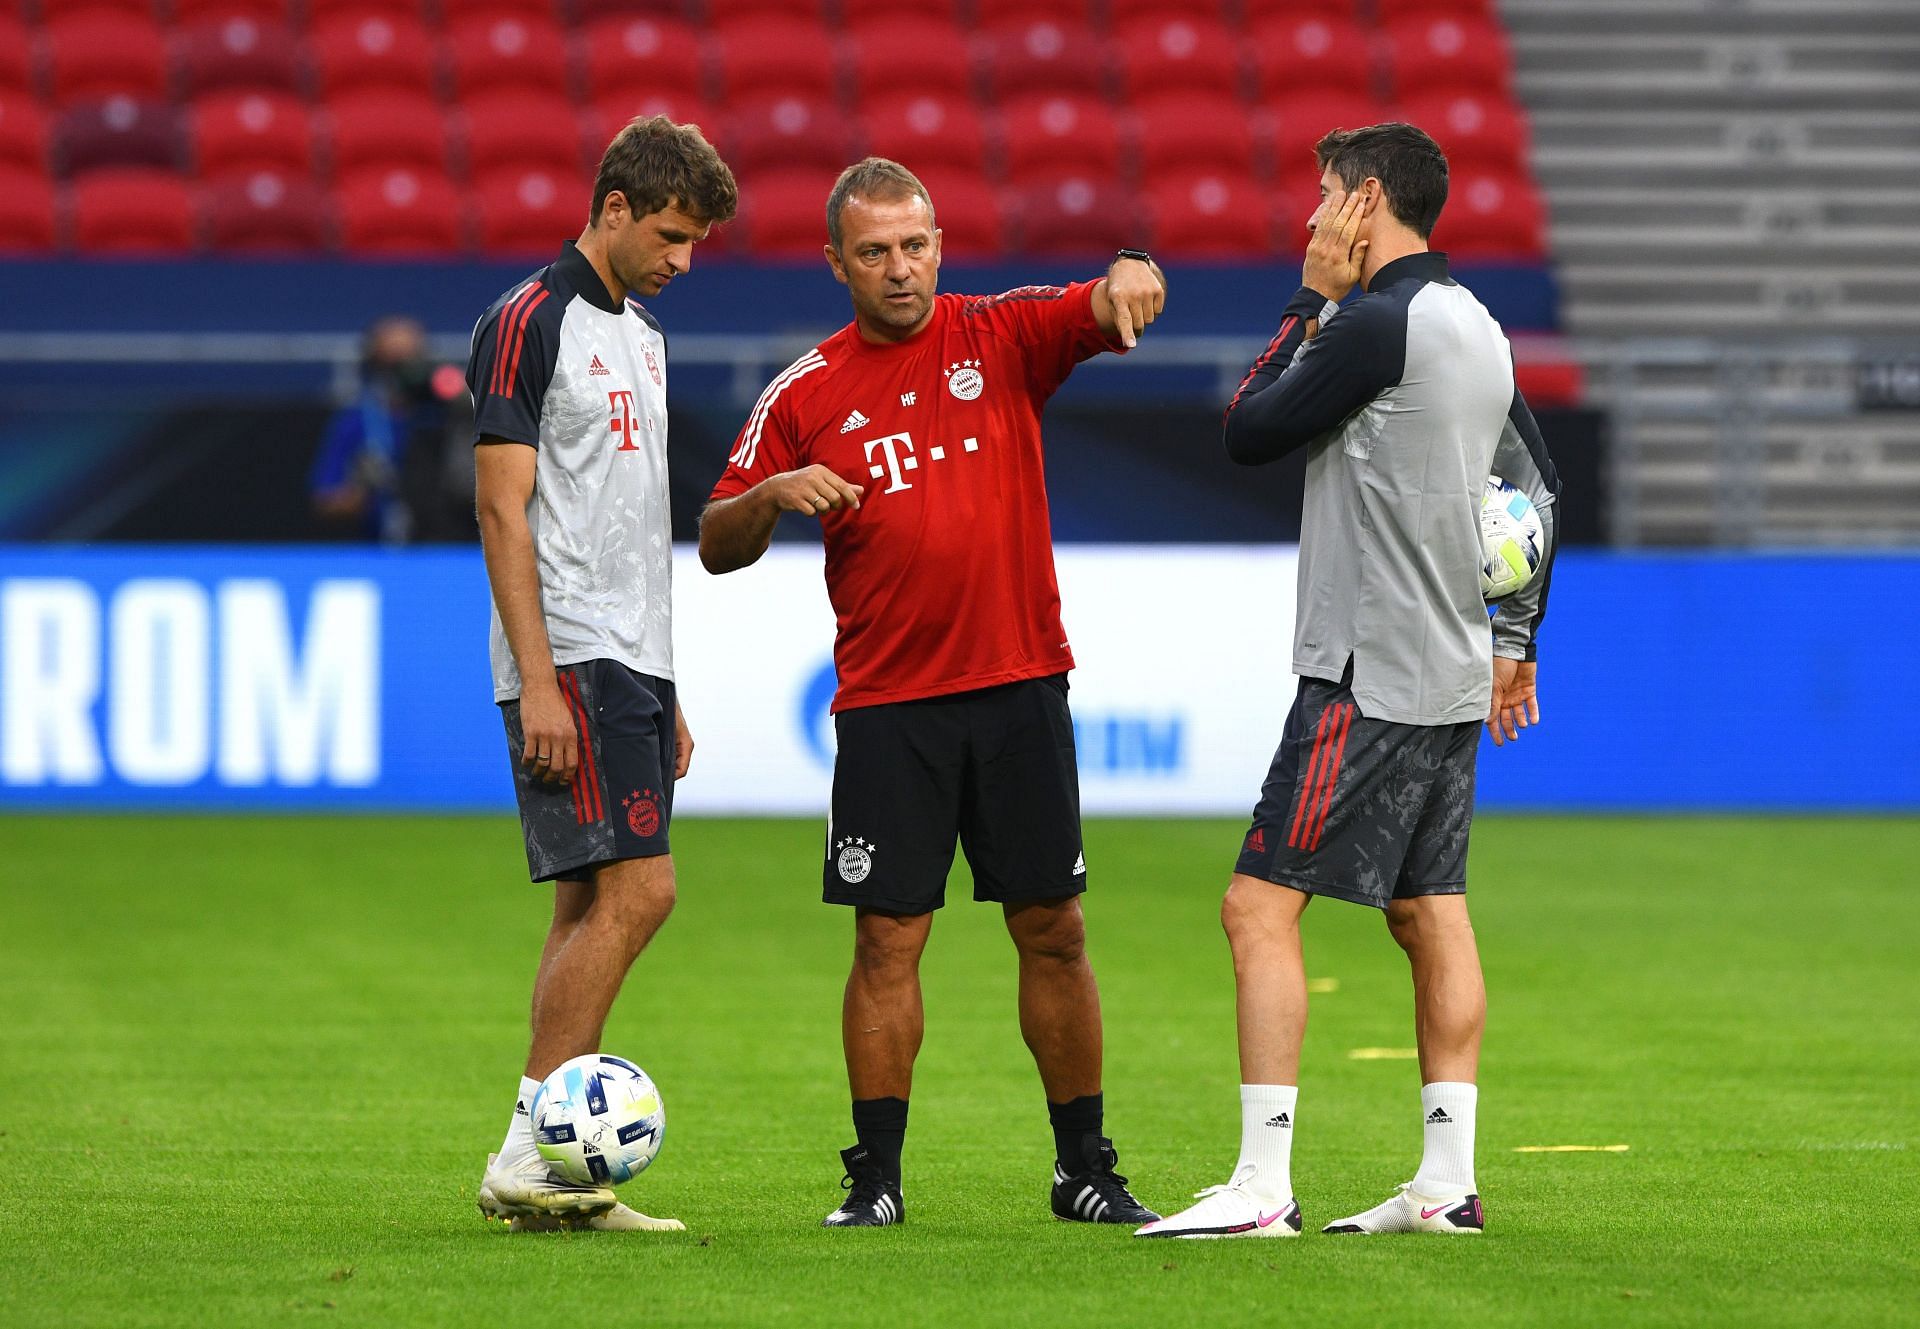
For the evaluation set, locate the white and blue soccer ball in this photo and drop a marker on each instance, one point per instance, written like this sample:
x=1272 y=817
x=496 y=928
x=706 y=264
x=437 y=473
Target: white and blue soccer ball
x=1510 y=539
x=598 y=1120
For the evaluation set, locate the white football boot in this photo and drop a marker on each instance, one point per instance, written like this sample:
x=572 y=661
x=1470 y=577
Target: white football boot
x=529 y=1189
x=1409 y=1210
x=1229 y=1211
x=617 y=1219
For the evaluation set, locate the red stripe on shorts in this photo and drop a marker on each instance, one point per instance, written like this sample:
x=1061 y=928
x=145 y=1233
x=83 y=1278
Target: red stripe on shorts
x=1333 y=776
x=1306 y=796
x=589 y=775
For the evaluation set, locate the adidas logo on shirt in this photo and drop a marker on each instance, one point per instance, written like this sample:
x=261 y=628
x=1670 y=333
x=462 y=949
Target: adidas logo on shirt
x=1439 y=1117
x=854 y=421
x=597 y=368
x=1282 y=1120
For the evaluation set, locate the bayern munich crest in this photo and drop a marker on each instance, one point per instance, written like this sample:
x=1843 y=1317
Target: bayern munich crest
x=964 y=381
x=855 y=861
x=643 y=813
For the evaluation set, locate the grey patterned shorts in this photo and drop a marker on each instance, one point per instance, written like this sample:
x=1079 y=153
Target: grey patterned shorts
x=1364 y=810
x=620 y=802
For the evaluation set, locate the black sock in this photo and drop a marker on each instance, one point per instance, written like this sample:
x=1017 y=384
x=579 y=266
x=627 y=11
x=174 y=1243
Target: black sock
x=1073 y=1122
x=881 y=1125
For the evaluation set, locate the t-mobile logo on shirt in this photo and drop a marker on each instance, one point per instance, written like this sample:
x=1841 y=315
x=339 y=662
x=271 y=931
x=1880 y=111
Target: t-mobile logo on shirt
x=896 y=465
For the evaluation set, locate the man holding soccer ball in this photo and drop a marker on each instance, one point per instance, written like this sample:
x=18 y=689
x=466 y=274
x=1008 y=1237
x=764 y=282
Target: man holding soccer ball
x=1404 y=399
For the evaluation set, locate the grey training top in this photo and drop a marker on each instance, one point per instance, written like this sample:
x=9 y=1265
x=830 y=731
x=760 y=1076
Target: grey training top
x=1405 y=403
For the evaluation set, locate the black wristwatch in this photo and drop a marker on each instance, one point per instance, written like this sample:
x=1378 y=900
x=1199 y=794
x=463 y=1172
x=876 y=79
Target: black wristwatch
x=1140 y=254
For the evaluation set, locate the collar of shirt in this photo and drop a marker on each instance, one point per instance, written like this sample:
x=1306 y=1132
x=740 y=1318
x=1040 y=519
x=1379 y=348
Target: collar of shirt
x=578 y=272
x=1428 y=265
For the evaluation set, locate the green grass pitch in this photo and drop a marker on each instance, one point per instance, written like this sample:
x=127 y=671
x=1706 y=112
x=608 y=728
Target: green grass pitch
x=250 y=1067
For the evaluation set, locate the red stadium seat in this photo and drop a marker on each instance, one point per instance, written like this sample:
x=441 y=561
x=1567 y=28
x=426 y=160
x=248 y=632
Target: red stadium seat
x=530 y=211
x=1157 y=55
x=265 y=212
x=641 y=53
x=1210 y=214
x=1548 y=381
x=237 y=52
x=909 y=55
x=1492 y=215
x=501 y=52
x=926 y=129
x=969 y=213
x=1433 y=53
x=783 y=214
x=1080 y=215
x=23 y=134
x=353 y=50
x=28 y=216
x=16 y=55
x=329 y=11
x=511 y=128
x=995 y=13
x=774 y=57
x=260 y=11
x=1389 y=11
x=1046 y=136
x=236 y=132
x=858 y=15
x=132 y=211
x=1256 y=12
x=386 y=128
x=53 y=11
x=1043 y=53
x=1121 y=13
x=118 y=132
x=455 y=11
x=1302 y=120
x=94 y=54
x=400 y=211
x=1472 y=129
x=1183 y=130
x=745 y=13
x=1299 y=54
x=786 y=131
x=611 y=114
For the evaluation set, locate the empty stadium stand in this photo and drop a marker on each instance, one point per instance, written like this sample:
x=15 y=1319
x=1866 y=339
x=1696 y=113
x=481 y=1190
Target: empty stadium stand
x=1734 y=191
x=1178 y=114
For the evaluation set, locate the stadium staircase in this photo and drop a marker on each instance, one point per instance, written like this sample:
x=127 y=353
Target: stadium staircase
x=1733 y=189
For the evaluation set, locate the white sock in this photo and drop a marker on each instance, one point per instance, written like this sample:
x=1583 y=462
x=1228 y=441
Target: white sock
x=1266 y=1141
x=1446 y=1114
x=519 y=1141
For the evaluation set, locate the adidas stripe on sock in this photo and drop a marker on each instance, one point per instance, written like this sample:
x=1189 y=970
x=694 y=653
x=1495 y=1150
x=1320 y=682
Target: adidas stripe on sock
x=1266 y=1140
x=1446 y=1120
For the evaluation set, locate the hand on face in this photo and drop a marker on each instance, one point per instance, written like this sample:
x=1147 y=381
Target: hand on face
x=1338 y=250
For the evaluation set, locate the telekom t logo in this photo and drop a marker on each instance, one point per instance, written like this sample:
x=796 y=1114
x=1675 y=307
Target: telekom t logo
x=895 y=464
x=623 y=422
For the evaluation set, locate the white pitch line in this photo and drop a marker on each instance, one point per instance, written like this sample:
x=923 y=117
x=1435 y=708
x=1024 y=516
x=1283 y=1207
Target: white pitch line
x=1570 y=1149
x=1383 y=1054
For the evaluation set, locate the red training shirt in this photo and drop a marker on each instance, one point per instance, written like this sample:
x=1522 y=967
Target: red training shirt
x=943 y=580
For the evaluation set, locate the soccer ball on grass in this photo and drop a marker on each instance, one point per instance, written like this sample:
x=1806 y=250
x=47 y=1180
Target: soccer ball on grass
x=1510 y=539
x=598 y=1120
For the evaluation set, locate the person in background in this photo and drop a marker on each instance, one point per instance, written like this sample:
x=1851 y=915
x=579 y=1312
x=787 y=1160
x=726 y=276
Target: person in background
x=378 y=475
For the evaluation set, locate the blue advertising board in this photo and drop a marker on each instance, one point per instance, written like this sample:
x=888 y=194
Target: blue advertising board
x=230 y=678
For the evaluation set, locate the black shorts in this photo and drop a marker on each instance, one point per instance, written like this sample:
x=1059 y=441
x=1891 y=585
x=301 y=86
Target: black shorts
x=994 y=767
x=619 y=803
x=1363 y=810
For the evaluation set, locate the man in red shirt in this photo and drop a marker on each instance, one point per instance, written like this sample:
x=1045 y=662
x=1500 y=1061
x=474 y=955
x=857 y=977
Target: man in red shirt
x=913 y=434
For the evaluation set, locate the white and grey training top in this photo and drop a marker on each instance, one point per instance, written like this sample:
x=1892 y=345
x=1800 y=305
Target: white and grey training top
x=560 y=365
x=1405 y=402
